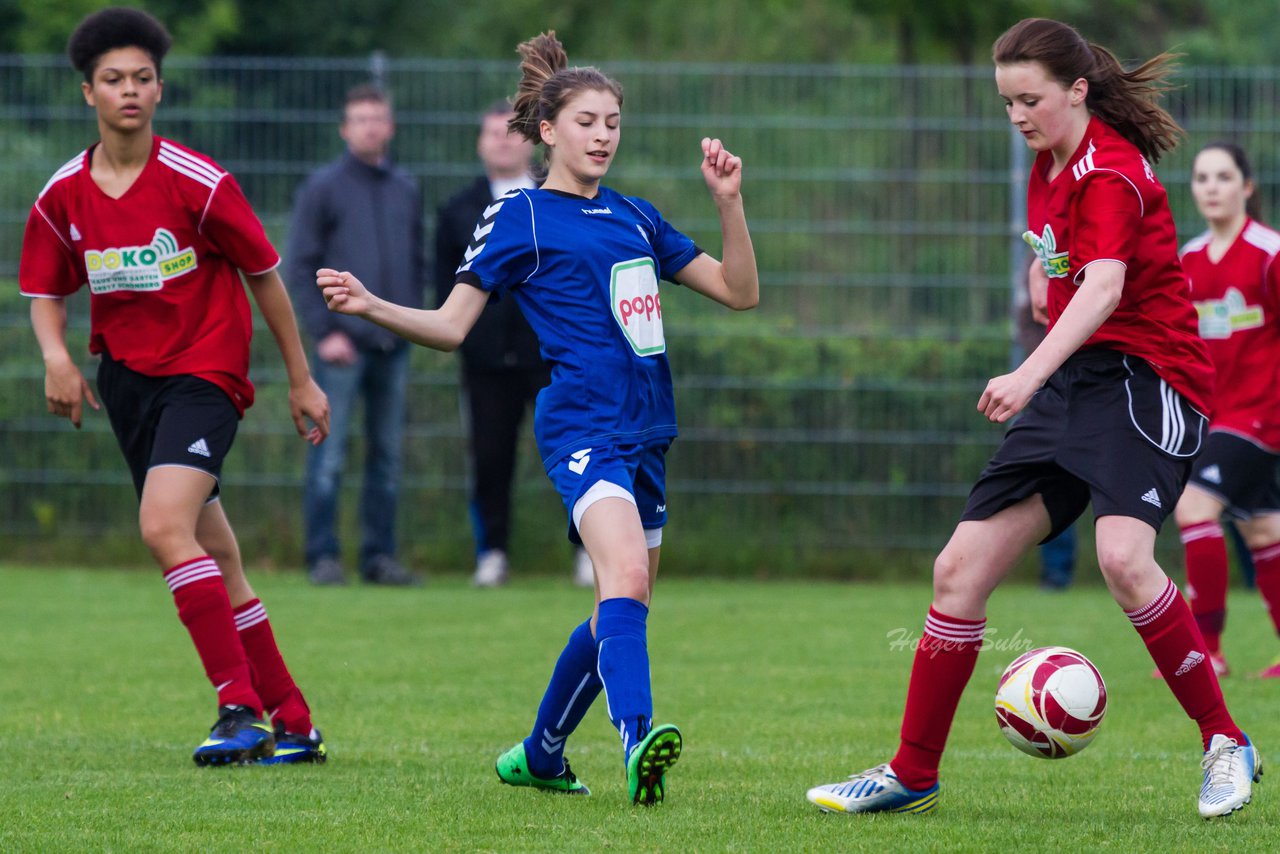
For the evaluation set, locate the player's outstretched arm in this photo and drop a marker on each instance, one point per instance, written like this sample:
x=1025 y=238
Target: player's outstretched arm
x=733 y=282
x=443 y=328
x=306 y=400
x=65 y=388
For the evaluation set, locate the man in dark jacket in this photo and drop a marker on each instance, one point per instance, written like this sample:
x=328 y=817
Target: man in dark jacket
x=362 y=214
x=502 y=370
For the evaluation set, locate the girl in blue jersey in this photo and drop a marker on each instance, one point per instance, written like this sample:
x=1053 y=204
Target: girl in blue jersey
x=583 y=263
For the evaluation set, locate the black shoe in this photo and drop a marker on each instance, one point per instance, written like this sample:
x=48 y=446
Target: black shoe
x=238 y=737
x=386 y=570
x=327 y=572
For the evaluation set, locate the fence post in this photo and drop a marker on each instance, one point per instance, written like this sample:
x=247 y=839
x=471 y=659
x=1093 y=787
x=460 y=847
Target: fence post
x=1017 y=224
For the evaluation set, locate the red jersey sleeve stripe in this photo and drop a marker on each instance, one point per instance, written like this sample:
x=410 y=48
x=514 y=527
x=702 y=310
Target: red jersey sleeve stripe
x=193 y=174
x=1262 y=237
x=1142 y=206
x=66 y=170
x=44 y=216
x=1195 y=244
x=182 y=161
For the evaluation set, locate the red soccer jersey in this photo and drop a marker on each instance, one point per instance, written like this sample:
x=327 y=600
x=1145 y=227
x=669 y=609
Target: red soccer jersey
x=1238 y=298
x=1107 y=205
x=160 y=261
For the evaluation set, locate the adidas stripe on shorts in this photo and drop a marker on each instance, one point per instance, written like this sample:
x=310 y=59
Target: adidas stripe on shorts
x=1104 y=429
x=167 y=421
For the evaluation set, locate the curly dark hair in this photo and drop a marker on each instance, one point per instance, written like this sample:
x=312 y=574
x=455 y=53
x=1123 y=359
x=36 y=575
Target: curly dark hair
x=112 y=28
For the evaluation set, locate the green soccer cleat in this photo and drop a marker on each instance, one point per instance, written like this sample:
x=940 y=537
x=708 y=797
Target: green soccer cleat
x=239 y=737
x=648 y=763
x=513 y=769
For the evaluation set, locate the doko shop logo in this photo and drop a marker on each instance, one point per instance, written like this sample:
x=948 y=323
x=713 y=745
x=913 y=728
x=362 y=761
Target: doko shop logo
x=138 y=268
x=633 y=292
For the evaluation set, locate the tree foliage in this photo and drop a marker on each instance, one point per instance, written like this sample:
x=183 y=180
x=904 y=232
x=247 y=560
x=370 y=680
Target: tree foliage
x=805 y=31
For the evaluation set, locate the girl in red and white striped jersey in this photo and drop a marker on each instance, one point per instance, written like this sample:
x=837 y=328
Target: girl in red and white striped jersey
x=1235 y=284
x=161 y=234
x=1112 y=405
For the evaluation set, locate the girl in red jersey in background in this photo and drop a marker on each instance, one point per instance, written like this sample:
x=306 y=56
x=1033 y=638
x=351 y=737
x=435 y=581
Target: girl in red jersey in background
x=1235 y=283
x=160 y=233
x=1111 y=402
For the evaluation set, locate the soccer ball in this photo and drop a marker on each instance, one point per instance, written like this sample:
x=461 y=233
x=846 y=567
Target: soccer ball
x=1050 y=702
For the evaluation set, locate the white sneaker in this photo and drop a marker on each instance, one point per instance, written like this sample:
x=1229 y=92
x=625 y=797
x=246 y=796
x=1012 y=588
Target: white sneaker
x=491 y=569
x=584 y=572
x=1230 y=770
x=874 y=790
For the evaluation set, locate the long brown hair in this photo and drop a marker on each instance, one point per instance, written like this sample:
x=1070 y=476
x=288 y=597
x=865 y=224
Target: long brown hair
x=1126 y=100
x=547 y=83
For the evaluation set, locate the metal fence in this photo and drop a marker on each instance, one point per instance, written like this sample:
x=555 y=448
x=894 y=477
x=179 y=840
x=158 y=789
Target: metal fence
x=828 y=431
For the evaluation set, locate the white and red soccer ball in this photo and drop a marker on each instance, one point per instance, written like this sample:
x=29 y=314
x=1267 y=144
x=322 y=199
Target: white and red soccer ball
x=1050 y=702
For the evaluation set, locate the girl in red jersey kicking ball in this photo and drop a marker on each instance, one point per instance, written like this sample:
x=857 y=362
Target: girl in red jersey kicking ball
x=1112 y=405
x=1235 y=283
x=161 y=235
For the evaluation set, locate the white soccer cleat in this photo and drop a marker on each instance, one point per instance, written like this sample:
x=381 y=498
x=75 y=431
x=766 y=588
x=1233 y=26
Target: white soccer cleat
x=1230 y=770
x=874 y=790
x=491 y=569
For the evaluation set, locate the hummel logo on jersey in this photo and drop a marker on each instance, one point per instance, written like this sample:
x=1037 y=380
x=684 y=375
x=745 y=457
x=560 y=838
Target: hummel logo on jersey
x=1152 y=497
x=662 y=508
x=481 y=234
x=551 y=743
x=596 y=211
x=199 y=446
x=75 y=232
x=1212 y=473
x=1193 y=658
x=580 y=459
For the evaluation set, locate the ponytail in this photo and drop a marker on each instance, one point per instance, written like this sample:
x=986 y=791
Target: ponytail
x=1128 y=100
x=540 y=58
x=546 y=85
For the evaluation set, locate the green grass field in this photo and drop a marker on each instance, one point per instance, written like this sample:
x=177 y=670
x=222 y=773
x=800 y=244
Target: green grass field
x=776 y=687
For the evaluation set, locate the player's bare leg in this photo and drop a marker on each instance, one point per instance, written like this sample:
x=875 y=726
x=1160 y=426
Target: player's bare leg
x=978 y=557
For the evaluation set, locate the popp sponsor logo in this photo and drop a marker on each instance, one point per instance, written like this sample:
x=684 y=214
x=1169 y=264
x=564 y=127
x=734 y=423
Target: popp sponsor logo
x=647 y=306
x=633 y=293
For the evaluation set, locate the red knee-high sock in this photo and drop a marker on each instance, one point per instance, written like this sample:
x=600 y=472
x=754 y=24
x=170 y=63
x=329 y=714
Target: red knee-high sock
x=1206 y=554
x=205 y=610
x=944 y=662
x=271 y=678
x=1169 y=631
x=1266 y=574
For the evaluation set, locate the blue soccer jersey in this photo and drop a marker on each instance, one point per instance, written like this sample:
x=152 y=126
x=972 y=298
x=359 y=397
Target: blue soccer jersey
x=585 y=273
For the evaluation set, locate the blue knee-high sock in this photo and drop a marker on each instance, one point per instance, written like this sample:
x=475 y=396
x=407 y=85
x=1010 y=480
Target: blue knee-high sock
x=624 y=668
x=573 y=687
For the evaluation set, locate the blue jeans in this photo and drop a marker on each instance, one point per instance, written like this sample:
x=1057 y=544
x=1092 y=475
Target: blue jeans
x=1058 y=559
x=381 y=379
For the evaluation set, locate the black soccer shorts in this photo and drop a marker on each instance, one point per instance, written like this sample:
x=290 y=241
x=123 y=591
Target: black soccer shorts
x=167 y=421
x=1104 y=429
x=1239 y=474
